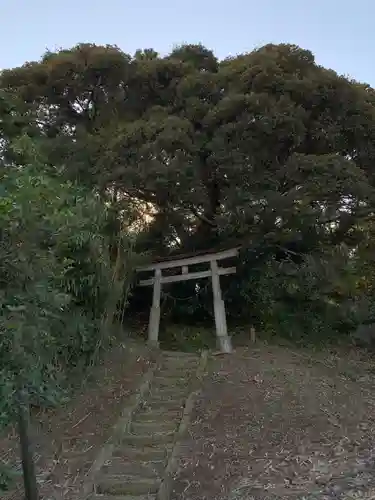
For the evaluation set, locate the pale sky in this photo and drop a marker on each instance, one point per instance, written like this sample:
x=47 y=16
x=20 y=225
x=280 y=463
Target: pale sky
x=340 y=33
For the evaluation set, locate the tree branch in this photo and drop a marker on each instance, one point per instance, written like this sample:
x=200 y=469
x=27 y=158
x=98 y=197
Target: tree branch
x=202 y=217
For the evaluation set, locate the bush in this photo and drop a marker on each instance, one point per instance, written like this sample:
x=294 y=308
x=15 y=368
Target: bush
x=59 y=289
x=308 y=300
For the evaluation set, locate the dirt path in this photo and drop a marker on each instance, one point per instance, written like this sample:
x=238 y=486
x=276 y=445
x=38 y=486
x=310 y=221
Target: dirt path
x=67 y=440
x=270 y=423
x=140 y=461
x=274 y=424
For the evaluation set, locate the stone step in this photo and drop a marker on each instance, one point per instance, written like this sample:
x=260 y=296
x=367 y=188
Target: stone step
x=161 y=414
x=161 y=381
x=168 y=395
x=145 y=454
x=167 y=399
x=122 y=466
x=179 y=360
x=180 y=354
x=174 y=376
x=122 y=497
x=169 y=390
x=164 y=404
x=118 y=485
x=152 y=427
x=176 y=365
x=141 y=440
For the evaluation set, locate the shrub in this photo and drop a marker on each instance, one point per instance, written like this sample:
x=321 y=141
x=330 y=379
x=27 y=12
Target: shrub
x=59 y=288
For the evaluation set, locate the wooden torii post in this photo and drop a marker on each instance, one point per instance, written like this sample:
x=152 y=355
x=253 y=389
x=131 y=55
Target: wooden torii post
x=224 y=341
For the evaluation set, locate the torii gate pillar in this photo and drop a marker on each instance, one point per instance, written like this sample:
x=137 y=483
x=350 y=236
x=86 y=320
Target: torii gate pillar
x=223 y=339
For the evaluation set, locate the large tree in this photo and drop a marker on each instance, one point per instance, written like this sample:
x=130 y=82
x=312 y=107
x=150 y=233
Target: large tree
x=266 y=148
x=266 y=143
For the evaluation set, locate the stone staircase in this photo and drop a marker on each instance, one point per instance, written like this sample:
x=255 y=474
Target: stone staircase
x=140 y=461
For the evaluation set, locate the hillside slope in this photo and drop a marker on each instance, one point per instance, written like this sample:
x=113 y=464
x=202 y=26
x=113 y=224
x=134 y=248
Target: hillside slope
x=268 y=423
x=273 y=423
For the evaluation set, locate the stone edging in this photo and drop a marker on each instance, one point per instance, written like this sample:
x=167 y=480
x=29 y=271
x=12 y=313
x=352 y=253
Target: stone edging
x=172 y=465
x=121 y=427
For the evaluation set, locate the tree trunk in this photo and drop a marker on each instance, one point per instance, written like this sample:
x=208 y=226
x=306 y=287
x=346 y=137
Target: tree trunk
x=29 y=476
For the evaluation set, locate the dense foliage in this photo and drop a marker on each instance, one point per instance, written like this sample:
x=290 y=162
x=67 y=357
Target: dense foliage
x=59 y=288
x=266 y=149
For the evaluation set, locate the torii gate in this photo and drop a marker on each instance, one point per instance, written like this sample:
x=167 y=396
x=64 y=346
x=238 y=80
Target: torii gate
x=224 y=341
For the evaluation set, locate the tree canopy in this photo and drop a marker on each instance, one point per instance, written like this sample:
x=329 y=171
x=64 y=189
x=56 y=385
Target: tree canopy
x=263 y=143
x=266 y=149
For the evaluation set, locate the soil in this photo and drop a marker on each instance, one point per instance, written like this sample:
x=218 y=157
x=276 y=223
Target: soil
x=66 y=440
x=270 y=423
x=273 y=423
